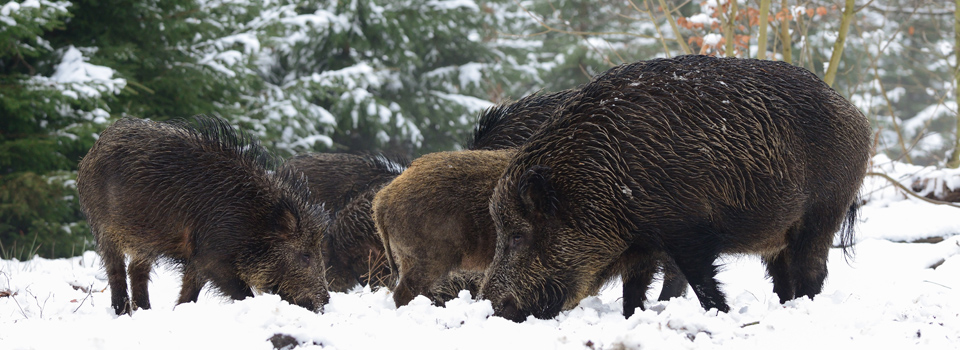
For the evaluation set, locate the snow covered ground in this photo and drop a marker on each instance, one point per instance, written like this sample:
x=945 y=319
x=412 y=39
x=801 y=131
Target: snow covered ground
x=891 y=295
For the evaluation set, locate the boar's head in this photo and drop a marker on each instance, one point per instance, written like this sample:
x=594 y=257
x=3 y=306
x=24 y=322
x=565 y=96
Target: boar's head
x=289 y=260
x=547 y=256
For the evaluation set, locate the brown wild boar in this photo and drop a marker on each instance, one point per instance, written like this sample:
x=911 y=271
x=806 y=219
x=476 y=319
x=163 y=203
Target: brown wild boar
x=445 y=200
x=434 y=218
x=677 y=159
x=203 y=197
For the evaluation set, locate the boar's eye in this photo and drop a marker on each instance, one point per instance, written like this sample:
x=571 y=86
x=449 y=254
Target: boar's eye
x=306 y=259
x=516 y=240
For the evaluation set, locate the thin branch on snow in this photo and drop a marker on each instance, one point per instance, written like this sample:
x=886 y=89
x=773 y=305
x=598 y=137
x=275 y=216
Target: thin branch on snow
x=910 y=192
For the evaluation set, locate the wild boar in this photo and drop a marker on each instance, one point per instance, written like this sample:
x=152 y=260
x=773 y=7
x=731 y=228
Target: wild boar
x=434 y=219
x=346 y=184
x=207 y=198
x=680 y=160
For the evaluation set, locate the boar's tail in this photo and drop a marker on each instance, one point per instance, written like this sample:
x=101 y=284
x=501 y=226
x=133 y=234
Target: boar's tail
x=392 y=265
x=847 y=232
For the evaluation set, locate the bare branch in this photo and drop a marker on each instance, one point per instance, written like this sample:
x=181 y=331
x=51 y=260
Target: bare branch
x=848 y=12
x=910 y=192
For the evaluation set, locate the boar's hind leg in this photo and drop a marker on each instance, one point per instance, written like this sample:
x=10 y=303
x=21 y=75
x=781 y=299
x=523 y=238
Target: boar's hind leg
x=694 y=258
x=674 y=284
x=800 y=269
x=413 y=282
x=190 y=287
x=116 y=274
x=139 y=271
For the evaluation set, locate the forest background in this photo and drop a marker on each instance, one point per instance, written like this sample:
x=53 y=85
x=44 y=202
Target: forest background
x=408 y=77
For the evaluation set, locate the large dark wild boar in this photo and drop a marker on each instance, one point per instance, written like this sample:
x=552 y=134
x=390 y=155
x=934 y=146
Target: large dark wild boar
x=346 y=184
x=202 y=197
x=677 y=159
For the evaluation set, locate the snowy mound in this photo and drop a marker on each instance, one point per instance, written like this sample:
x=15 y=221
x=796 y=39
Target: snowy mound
x=890 y=295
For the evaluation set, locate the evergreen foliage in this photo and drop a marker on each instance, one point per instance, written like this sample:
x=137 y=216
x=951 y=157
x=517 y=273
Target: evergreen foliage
x=403 y=77
x=50 y=111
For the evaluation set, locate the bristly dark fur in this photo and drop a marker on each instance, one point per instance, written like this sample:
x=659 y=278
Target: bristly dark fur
x=679 y=159
x=216 y=134
x=346 y=183
x=207 y=197
x=509 y=124
x=335 y=179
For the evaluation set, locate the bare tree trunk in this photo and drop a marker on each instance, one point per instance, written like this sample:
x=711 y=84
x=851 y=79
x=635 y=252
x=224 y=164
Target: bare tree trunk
x=762 y=32
x=831 y=74
x=785 y=41
x=729 y=29
x=676 y=31
x=955 y=157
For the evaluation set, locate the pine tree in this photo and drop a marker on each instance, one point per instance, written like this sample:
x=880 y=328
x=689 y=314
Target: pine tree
x=52 y=101
x=401 y=77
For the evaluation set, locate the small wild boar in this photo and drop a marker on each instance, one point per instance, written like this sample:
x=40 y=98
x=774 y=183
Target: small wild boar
x=434 y=218
x=677 y=159
x=346 y=184
x=203 y=197
x=441 y=201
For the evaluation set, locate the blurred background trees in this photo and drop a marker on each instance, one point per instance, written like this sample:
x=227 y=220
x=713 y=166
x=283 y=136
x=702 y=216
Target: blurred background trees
x=409 y=77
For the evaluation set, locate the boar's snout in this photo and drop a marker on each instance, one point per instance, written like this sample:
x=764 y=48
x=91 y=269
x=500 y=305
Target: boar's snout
x=508 y=309
x=313 y=303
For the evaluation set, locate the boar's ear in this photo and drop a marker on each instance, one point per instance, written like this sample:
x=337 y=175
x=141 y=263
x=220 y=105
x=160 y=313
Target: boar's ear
x=536 y=192
x=284 y=222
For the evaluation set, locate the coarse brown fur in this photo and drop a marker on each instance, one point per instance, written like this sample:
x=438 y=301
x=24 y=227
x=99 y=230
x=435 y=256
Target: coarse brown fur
x=202 y=197
x=433 y=218
x=443 y=201
x=346 y=184
x=677 y=159
x=450 y=286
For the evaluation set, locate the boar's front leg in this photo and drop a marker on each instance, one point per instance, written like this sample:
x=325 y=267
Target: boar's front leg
x=694 y=251
x=236 y=288
x=635 y=285
x=190 y=287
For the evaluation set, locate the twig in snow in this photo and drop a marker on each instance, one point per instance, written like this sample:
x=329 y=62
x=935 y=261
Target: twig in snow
x=89 y=293
x=932 y=282
x=910 y=192
x=24 y=313
x=37 y=301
